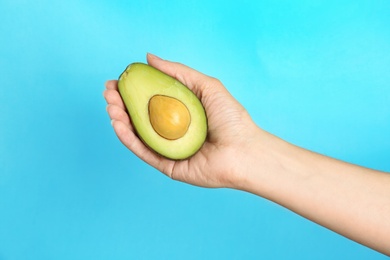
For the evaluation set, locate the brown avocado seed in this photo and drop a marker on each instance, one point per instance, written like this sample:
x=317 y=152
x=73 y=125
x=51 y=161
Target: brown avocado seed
x=169 y=117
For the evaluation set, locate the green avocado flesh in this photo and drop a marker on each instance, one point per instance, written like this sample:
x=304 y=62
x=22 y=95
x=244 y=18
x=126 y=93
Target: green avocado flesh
x=138 y=84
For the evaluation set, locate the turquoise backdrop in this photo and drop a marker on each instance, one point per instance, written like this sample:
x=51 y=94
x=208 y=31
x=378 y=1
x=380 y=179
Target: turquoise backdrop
x=316 y=73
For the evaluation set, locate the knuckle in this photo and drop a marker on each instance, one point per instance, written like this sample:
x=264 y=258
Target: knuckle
x=215 y=81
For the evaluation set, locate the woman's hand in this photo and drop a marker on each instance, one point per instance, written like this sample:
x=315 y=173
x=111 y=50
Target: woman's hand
x=351 y=200
x=230 y=128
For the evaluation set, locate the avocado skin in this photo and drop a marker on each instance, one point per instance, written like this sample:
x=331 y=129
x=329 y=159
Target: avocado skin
x=137 y=85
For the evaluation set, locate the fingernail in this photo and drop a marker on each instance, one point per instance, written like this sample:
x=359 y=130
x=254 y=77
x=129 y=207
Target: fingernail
x=112 y=122
x=153 y=56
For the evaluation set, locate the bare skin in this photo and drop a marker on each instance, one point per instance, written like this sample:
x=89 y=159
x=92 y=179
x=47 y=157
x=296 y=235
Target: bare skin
x=348 y=199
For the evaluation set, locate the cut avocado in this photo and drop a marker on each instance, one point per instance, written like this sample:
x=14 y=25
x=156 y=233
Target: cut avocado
x=166 y=115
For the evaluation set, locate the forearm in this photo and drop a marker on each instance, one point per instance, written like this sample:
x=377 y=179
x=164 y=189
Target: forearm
x=345 y=198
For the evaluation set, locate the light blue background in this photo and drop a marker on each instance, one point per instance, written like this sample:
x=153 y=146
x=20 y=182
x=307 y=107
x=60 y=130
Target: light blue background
x=315 y=73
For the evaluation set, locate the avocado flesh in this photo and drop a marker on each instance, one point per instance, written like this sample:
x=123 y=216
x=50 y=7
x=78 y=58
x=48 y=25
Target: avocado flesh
x=137 y=85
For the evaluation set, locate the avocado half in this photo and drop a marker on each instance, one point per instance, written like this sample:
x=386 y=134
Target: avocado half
x=167 y=116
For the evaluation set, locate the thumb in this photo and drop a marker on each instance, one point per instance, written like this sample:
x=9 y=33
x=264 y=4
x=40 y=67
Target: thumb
x=193 y=79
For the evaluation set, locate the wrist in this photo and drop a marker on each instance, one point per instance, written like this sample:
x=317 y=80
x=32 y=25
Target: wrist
x=268 y=164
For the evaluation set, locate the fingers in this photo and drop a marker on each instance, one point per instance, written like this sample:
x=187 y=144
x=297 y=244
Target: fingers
x=113 y=98
x=115 y=106
x=112 y=95
x=189 y=77
x=112 y=84
x=128 y=138
x=117 y=113
x=126 y=134
x=134 y=144
x=121 y=122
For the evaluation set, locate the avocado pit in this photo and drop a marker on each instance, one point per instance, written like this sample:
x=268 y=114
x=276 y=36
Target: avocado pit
x=169 y=117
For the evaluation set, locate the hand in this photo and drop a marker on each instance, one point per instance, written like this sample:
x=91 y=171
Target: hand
x=351 y=200
x=230 y=129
